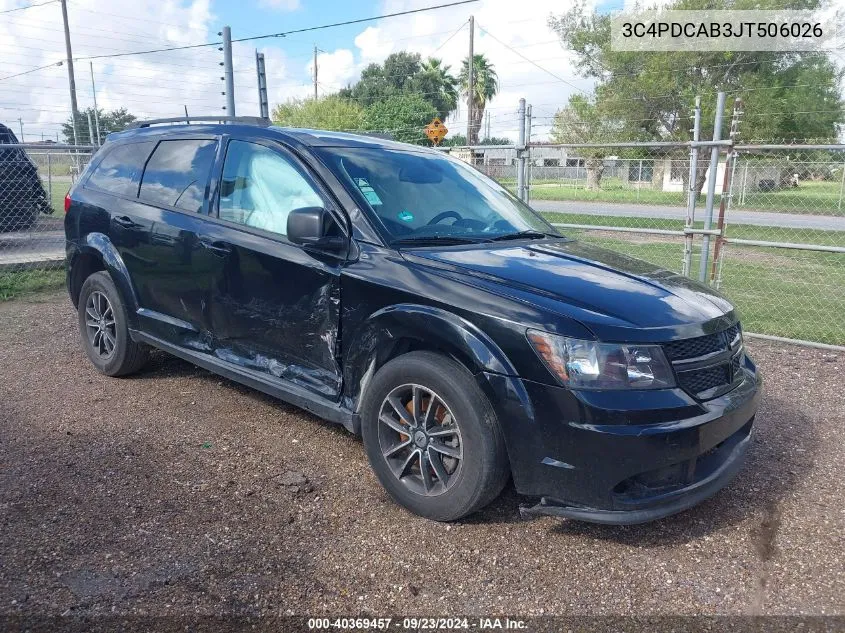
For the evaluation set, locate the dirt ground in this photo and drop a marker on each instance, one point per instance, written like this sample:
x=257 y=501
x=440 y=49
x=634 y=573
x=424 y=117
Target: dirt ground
x=178 y=492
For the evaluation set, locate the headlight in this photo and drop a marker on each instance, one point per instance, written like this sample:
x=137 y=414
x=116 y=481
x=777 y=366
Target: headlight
x=591 y=365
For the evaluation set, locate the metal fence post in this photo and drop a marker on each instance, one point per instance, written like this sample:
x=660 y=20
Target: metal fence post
x=711 y=187
x=727 y=193
x=228 y=72
x=520 y=153
x=841 y=189
x=693 y=192
x=526 y=180
x=50 y=178
x=263 y=103
x=90 y=129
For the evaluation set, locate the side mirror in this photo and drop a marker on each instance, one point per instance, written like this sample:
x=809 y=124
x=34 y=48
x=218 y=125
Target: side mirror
x=309 y=226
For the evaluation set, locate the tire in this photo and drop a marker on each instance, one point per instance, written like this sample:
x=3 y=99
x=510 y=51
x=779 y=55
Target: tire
x=99 y=297
x=474 y=468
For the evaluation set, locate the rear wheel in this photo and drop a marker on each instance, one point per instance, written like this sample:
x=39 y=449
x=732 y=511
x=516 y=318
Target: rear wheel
x=432 y=437
x=104 y=328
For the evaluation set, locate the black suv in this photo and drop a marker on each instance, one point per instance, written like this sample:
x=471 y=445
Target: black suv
x=397 y=291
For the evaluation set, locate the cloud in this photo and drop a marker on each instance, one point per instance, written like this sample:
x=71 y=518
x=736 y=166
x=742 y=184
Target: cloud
x=433 y=33
x=280 y=5
x=162 y=84
x=334 y=70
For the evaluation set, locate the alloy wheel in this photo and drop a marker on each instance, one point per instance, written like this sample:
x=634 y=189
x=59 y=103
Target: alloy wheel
x=420 y=439
x=100 y=325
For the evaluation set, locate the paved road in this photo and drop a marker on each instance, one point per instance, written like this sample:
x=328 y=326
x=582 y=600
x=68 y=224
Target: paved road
x=31 y=248
x=756 y=218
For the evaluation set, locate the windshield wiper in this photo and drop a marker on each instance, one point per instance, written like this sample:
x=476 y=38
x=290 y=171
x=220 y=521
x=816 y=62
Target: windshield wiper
x=523 y=235
x=437 y=240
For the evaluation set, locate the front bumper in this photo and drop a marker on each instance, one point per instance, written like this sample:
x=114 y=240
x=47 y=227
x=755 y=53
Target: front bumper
x=624 y=458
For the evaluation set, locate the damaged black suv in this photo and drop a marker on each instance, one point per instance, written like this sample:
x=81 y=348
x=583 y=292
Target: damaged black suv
x=397 y=291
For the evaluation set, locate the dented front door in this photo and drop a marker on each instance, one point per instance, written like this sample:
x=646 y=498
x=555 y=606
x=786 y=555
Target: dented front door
x=274 y=306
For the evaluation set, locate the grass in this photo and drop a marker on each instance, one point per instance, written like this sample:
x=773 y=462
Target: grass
x=23 y=282
x=815 y=198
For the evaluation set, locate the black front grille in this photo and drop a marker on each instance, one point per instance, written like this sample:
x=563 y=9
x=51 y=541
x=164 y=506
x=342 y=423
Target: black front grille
x=701 y=345
x=703 y=364
x=701 y=380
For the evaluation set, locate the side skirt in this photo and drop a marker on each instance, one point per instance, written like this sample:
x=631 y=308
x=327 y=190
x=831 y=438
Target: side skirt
x=290 y=393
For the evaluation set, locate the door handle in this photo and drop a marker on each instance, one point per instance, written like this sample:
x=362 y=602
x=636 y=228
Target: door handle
x=217 y=247
x=125 y=221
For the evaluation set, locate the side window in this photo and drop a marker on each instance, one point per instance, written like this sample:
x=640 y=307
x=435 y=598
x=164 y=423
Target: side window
x=121 y=168
x=261 y=187
x=177 y=174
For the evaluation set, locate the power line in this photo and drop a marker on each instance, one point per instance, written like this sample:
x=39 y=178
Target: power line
x=29 y=6
x=284 y=33
x=458 y=30
x=516 y=52
x=32 y=70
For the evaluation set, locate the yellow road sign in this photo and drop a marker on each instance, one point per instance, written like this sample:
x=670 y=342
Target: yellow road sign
x=436 y=131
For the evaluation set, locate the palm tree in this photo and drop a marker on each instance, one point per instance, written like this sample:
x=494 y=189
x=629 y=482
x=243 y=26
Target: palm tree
x=485 y=86
x=438 y=85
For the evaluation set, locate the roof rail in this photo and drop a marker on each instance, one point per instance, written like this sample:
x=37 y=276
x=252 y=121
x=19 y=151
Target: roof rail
x=247 y=120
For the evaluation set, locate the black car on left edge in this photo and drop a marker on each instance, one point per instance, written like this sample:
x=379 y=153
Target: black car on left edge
x=397 y=291
x=22 y=195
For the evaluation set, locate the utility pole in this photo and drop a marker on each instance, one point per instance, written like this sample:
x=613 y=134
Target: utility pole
x=96 y=114
x=470 y=78
x=315 y=71
x=228 y=71
x=20 y=121
x=263 y=103
x=71 y=81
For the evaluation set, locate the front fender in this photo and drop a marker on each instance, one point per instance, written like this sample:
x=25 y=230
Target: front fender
x=99 y=245
x=375 y=342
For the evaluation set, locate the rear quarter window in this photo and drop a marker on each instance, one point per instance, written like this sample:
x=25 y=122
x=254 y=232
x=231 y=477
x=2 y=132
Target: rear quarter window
x=177 y=173
x=121 y=168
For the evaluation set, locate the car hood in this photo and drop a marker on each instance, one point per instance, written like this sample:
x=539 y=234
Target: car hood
x=618 y=297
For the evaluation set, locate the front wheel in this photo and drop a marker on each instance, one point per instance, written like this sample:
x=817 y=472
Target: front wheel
x=432 y=437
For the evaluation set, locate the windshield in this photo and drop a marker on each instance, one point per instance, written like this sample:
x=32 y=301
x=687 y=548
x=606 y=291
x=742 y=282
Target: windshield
x=420 y=196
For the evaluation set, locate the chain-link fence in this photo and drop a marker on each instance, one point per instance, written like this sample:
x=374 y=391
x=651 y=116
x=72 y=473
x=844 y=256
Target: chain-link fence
x=33 y=182
x=776 y=236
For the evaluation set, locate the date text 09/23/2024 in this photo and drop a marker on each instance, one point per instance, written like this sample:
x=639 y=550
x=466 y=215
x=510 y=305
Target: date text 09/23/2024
x=417 y=623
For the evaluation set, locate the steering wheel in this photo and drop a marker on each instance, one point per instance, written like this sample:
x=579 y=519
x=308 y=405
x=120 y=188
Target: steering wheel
x=443 y=215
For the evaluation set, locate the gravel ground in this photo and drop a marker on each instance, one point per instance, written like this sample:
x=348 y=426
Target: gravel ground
x=177 y=492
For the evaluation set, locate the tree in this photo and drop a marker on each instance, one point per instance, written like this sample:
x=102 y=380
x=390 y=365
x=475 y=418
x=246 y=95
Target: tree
x=652 y=92
x=484 y=88
x=583 y=121
x=402 y=116
x=405 y=73
x=436 y=86
x=326 y=113
x=112 y=121
x=380 y=81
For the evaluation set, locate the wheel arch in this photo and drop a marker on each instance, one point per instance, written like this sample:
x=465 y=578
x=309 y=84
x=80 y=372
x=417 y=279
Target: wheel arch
x=399 y=329
x=97 y=253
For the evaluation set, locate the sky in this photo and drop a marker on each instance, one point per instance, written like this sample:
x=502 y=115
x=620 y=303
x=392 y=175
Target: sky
x=163 y=84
